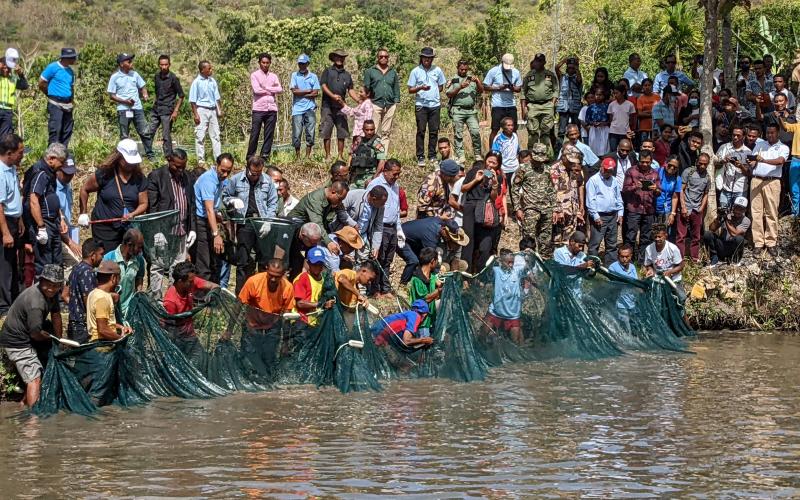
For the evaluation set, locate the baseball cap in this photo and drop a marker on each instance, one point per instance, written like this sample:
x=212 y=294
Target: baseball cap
x=12 y=56
x=108 y=267
x=449 y=167
x=420 y=306
x=508 y=61
x=578 y=237
x=740 y=201
x=69 y=166
x=539 y=57
x=303 y=59
x=609 y=164
x=128 y=149
x=124 y=56
x=315 y=256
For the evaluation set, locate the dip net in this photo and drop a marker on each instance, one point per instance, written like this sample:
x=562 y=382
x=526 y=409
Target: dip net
x=224 y=346
x=162 y=241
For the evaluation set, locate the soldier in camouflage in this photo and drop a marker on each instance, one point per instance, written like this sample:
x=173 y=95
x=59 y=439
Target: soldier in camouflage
x=567 y=178
x=533 y=198
x=540 y=93
x=463 y=92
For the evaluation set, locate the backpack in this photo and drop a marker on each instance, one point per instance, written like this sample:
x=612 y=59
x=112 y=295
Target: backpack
x=486 y=214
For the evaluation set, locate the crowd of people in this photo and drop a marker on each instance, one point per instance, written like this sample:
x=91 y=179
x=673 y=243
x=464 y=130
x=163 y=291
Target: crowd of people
x=605 y=162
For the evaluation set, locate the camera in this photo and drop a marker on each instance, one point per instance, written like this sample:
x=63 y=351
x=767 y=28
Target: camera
x=722 y=213
x=752 y=157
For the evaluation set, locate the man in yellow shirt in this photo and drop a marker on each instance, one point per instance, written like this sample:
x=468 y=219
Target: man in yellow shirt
x=100 y=317
x=347 y=283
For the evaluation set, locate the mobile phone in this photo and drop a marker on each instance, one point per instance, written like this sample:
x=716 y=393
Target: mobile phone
x=646 y=184
x=752 y=157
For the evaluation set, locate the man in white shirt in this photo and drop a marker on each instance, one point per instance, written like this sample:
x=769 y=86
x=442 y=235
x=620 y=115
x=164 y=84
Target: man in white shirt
x=663 y=257
x=634 y=76
x=289 y=201
x=765 y=191
x=731 y=179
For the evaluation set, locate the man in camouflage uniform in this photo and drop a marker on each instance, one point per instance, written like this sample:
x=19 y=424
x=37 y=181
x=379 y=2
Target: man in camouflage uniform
x=434 y=192
x=567 y=177
x=463 y=92
x=534 y=200
x=540 y=93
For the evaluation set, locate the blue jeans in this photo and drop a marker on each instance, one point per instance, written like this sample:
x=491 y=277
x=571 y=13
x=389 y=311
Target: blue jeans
x=726 y=198
x=794 y=184
x=224 y=274
x=142 y=128
x=308 y=122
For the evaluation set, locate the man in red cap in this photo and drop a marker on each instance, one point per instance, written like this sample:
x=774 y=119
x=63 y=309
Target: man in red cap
x=604 y=204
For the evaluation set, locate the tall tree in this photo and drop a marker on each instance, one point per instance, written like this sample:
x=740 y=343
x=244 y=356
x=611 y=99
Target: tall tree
x=714 y=12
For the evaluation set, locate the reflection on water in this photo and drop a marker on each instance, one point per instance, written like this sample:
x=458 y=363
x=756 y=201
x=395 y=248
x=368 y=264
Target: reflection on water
x=724 y=422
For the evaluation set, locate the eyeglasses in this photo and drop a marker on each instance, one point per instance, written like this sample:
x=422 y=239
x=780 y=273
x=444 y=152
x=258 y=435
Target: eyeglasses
x=383 y=56
x=624 y=150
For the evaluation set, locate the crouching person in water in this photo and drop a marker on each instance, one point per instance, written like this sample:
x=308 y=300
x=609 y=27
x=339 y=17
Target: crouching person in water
x=626 y=302
x=663 y=257
x=179 y=299
x=100 y=316
x=506 y=308
x=404 y=326
x=26 y=330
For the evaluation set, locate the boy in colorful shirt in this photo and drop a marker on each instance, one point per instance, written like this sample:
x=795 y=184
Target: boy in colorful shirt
x=507 y=144
x=404 y=325
x=424 y=285
x=308 y=287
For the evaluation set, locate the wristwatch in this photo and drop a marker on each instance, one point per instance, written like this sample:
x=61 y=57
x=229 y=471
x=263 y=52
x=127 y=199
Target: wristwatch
x=215 y=234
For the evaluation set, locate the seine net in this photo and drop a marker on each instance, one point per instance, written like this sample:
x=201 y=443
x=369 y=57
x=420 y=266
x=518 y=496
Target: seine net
x=515 y=310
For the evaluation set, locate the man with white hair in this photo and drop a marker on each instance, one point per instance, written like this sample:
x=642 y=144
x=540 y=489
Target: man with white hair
x=308 y=236
x=42 y=208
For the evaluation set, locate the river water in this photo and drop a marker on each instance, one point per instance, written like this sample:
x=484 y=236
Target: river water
x=724 y=422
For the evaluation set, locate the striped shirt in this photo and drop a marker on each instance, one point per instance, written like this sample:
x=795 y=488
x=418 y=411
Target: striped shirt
x=181 y=205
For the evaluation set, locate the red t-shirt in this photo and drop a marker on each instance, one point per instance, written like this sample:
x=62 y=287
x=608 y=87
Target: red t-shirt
x=175 y=304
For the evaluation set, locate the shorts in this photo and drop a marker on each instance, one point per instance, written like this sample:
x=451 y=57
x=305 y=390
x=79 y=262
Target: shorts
x=27 y=363
x=502 y=323
x=499 y=113
x=330 y=118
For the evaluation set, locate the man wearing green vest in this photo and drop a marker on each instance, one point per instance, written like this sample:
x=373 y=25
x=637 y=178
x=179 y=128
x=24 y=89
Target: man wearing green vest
x=463 y=92
x=540 y=93
x=9 y=84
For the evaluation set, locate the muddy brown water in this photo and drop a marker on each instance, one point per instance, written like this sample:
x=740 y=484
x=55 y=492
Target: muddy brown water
x=722 y=423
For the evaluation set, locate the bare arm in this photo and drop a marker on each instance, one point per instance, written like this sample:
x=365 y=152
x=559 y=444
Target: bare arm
x=89 y=186
x=36 y=210
x=106 y=332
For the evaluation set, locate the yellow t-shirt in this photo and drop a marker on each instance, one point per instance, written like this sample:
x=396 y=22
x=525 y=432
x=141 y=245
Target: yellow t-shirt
x=99 y=305
x=795 y=129
x=308 y=289
x=346 y=298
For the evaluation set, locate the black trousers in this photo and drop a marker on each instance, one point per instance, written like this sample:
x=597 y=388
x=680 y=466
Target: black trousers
x=6 y=122
x=205 y=259
x=412 y=263
x=165 y=123
x=724 y=249
x=50 y=252
x=641 y=224
x=59 y=125
x=266 y=119
x=246 y=245
x=110 y=235
x=468 y=225
x=9 y=268
x=606 y=232
x=427 y=118
x=485 y=240
x=385 y=257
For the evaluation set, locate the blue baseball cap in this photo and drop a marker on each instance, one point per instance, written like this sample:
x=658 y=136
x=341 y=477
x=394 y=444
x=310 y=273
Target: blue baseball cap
x=315 y=256
x=420 y=306
x=303 y=59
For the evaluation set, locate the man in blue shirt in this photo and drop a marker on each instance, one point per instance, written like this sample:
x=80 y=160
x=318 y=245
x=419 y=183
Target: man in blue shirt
x=503 y=81
x=662 y=79
x=604 y=204
x=206 y=110
x=11 y=152
x=57 y=82
x=505 y=310
x=252 y=194
x=572 y=254
x=42 y=208
x=626 y=301
x=208 y=191
x=126 y=87
x=305 y=89
x=425 y=82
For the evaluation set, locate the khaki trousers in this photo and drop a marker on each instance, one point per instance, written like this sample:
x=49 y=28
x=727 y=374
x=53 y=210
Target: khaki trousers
x=383 y=118
x=765 y=195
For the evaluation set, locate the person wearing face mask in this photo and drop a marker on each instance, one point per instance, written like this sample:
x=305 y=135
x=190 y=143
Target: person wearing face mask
x=690 y=115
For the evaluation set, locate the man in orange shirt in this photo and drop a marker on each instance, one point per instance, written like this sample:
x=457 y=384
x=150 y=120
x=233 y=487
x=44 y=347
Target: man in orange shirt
x=269 y=294
x=644 y=109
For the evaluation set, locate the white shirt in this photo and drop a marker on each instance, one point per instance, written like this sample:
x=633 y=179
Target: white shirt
x=620 y=116
x=664 y=260
x=770 y=152
x=455 y=190
x=289 y=204
x=729 y=178
x=634 y=76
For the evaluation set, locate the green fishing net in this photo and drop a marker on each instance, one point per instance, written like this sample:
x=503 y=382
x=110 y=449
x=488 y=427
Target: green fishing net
x=275 y=237
x=161 y=240
x=222 y=345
